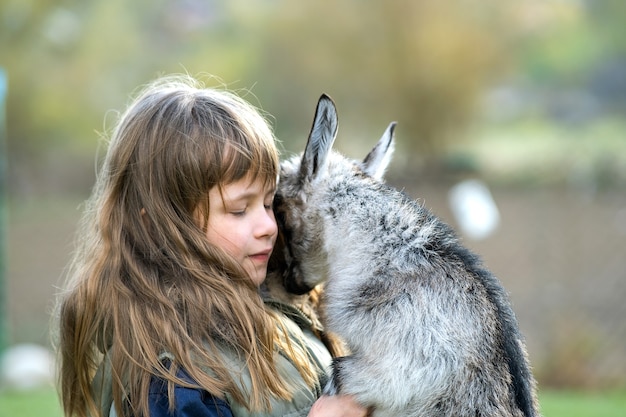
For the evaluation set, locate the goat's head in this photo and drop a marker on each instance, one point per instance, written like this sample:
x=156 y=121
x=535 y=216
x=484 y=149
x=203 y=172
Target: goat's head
x=301 y=189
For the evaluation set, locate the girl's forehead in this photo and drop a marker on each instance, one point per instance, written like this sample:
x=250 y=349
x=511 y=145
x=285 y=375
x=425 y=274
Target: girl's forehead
x=247 y=186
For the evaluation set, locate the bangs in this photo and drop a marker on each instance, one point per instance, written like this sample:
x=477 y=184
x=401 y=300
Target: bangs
x=250 y=154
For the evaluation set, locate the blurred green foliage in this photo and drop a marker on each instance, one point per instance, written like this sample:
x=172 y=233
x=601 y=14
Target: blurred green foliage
x=425 y=64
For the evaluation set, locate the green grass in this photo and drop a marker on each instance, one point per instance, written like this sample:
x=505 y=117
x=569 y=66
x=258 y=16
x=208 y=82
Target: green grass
x=583 y=404
x=37 y=403
x=553 y=404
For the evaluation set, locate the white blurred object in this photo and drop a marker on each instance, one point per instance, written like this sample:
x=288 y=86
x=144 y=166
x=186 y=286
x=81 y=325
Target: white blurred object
x=474 y=209
x=26 y=366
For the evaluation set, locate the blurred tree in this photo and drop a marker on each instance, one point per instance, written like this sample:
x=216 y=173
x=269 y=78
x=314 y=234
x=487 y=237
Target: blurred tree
x=419 y=62
x=70 y=64
x=607 y=17
x=571 y=58
x=608 y=76
x=560 y=44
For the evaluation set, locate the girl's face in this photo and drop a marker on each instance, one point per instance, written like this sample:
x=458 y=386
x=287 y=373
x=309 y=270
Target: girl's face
x=242 y=223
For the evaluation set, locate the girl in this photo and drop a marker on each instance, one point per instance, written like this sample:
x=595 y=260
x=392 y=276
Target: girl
x=162 y=313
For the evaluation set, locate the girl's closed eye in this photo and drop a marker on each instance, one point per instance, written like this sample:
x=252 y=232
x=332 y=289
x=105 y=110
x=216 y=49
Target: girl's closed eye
x=269 y=200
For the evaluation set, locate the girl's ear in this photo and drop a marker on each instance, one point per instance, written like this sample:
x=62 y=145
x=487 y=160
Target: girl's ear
x=321 y=138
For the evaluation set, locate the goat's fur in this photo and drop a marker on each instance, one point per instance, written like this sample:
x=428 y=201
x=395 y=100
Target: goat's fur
x=274 y=292
x=431 y=332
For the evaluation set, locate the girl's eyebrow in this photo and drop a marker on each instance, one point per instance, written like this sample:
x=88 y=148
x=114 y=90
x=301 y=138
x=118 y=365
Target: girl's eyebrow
x=248 y=194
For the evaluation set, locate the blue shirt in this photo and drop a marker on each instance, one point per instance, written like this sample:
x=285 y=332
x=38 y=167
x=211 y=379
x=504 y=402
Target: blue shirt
x=189 y=402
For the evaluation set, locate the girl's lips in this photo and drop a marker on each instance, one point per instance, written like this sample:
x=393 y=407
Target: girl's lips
x=261 y=256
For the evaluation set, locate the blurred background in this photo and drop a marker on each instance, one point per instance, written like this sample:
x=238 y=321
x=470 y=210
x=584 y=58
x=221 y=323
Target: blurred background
x=510 y=118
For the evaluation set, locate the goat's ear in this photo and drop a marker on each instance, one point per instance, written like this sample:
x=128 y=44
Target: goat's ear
x=376 y=162
x=321 y=138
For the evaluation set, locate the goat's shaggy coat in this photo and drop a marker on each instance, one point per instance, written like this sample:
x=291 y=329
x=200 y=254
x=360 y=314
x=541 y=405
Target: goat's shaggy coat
x=431 y=332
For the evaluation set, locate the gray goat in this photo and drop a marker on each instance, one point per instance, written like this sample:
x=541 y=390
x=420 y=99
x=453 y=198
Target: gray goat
x=430 y=331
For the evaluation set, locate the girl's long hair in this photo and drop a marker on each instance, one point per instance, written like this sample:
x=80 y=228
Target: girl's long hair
x=144 y=279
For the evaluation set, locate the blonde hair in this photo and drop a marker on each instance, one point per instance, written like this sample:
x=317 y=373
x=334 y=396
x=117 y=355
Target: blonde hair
x=145 y=280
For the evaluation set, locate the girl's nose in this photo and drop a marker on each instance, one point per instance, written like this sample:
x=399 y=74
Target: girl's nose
x=267 y=224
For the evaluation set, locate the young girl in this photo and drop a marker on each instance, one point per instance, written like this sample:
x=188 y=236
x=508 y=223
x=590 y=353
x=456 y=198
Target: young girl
x=162 y=314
